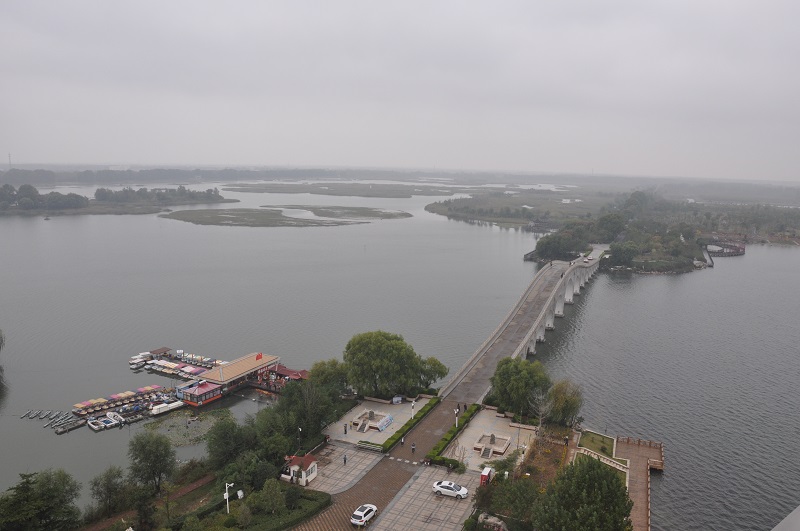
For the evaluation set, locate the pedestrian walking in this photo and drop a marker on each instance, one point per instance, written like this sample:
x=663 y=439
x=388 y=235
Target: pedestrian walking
x=413 y=447
x=345 y=429
x=344 y=457
x=402 y=440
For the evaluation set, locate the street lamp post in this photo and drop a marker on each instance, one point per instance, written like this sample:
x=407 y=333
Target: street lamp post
x=299 y=433
x=455 y=412
x=227 y=503
x=412 y=408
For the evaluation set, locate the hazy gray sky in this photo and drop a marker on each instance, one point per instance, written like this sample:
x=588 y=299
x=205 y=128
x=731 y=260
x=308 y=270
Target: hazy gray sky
x=662 y=87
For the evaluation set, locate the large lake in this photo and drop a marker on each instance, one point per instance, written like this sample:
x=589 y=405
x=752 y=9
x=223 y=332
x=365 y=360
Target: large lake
x=706 y=362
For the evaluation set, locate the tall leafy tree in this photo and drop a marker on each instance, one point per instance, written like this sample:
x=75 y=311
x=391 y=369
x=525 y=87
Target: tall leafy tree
x=586 y=496
x=329 y=373
x=432 y=370
x=43 y=500
x=567 y=400
x=224 y=442
x=514 y=381
x=382 y=364
x=19 y=506
x=152 y=459
x=108 y=489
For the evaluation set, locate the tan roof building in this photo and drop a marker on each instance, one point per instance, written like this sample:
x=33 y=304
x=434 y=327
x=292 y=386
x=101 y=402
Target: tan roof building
x=256 y=362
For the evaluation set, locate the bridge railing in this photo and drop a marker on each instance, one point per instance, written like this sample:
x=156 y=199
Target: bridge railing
x=470 y=363
x=531 y=333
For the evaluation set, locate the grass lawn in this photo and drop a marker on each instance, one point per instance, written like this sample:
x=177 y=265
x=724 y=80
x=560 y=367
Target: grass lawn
x=596 y=442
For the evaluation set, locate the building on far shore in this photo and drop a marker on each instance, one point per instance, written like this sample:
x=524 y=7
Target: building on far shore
x=215 y=383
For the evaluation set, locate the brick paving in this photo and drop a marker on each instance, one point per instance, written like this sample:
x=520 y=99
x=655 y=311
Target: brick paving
x=387 y=477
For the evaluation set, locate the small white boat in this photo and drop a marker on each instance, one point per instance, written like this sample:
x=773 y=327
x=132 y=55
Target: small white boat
x=113 y=415
x=95 y=424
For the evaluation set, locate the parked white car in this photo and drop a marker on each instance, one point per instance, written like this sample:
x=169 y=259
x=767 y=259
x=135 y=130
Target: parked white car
x=363 y=514
x=448 y=488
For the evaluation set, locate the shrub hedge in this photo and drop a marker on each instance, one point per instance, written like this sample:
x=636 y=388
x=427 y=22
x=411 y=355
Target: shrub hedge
x=434 y=455
x=391 y=441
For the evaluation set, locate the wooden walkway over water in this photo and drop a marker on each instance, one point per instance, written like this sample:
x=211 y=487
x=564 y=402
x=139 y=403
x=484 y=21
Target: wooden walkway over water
x=642 y=455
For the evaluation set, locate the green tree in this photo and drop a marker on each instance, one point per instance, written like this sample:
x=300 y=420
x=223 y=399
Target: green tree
x=19 y=506
x=293 y=495
x=586 y=496
x=224 y=442
x=245 y=517
x=432 y=371
x=268 y=500
x=515 y=380
x=515 y=498
x=145 y=509
x=382 y=364
x=249 y=471
x=8 y=194
x=623 y=253
x=609 y=226
x=43 y=500
x=567 y=400
x=108 y=489
x=308 y=406
x=152 y=459
x=27 y=191
x=329 y=373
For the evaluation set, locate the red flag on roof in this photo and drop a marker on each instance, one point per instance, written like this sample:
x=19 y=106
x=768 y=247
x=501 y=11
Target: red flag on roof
x=259 y=356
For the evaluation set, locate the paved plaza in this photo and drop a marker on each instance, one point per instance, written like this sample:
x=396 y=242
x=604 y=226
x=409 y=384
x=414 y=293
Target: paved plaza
x=401 y=413
x=487 y=422
x=417 y=507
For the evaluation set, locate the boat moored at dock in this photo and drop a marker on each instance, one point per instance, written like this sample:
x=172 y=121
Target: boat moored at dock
x=69 y=426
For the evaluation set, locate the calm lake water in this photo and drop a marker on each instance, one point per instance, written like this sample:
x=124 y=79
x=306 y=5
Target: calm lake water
x=705 y=362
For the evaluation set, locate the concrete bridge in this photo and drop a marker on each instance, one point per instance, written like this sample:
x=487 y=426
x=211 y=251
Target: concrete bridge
x=555 y=285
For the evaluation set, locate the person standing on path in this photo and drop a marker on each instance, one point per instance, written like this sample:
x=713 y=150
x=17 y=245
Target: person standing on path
x=345 y=429
x=413 y=447
x=345 y=458
x=402 y=440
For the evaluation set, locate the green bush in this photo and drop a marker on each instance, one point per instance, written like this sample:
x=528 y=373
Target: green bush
x=311 y=503
x=391 y=441
x=438 y=448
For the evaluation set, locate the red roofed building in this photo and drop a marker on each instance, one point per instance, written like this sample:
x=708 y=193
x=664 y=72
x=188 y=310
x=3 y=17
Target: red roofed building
x=284 y=372
x=299 y=469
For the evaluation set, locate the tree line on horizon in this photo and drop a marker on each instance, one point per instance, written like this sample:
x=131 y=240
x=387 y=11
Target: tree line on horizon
x=28 y=198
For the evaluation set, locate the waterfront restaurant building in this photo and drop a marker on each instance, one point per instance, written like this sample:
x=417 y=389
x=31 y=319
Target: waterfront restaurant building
x=215 y=383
